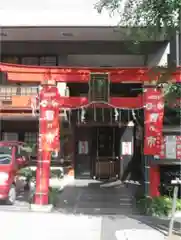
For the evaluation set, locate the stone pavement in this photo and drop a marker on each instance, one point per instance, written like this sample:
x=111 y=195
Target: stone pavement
x=50 y=226
x=85 y=210
x=30 y=226
x=92 y=198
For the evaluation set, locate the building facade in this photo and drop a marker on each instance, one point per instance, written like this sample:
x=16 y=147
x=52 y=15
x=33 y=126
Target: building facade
x=69 y=47
x=81 y=47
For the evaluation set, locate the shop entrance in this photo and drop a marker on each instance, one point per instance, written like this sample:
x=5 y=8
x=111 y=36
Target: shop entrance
x=97 y=152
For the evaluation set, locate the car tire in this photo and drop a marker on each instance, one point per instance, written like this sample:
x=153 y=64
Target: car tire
x=11 y=195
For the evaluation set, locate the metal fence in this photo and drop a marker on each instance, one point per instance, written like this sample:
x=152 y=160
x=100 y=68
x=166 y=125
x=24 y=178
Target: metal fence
x=6 y=92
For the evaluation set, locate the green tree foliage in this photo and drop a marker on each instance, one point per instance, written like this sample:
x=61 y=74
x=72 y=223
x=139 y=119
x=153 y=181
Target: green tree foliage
x=157 y=16
x=158 y=13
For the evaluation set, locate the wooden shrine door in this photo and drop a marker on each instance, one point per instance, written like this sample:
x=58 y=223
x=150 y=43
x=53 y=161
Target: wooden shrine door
x=83 y=165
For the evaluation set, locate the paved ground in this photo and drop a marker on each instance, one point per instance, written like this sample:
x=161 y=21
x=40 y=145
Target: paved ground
x=95 y=198
x=53 y=226
x=86 y=210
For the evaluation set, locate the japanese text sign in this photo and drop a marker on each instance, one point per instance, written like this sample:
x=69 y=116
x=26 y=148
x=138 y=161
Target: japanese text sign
x=49 y=117
x=154 y=111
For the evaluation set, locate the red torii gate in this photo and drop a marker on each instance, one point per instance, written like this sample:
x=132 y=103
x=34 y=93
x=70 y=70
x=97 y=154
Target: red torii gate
x=25 y=73
x=50 y=102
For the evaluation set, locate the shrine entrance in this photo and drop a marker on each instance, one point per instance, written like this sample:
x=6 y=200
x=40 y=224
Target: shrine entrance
x=97 y=152
x=105 y=155
x=97 y=147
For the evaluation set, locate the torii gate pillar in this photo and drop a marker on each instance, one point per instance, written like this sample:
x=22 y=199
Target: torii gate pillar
x=49 y=141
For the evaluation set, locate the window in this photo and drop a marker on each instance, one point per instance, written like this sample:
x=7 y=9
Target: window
x=10 y=59
x=48 y=61
x=30 y=138
x=10 y=136
x=30 y=60
x=5 y=155
x=99 y=87
x=29 y=90
x=125 y=89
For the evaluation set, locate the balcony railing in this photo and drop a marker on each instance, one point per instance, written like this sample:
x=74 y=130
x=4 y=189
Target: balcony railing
x=17 y=96
x=6 y=92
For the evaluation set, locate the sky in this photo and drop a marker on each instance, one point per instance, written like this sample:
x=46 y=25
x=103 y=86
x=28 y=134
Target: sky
x=53 y=12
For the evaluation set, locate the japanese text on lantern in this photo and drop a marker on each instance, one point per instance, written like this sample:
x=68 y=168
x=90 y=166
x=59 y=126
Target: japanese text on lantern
x=154 y=108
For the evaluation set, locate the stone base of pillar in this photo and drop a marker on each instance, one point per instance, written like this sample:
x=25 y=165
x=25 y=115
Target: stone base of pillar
x=41 y=208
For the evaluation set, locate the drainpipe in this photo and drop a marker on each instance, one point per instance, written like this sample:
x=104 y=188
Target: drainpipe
x=177 y=42
x=175 y=47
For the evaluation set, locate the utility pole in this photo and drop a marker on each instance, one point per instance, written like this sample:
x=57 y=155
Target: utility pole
x=178 y=41
x=174 y=58
x=180 y=36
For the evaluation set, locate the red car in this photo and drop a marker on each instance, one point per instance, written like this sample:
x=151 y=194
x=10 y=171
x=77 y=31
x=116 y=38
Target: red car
x=13 y=156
